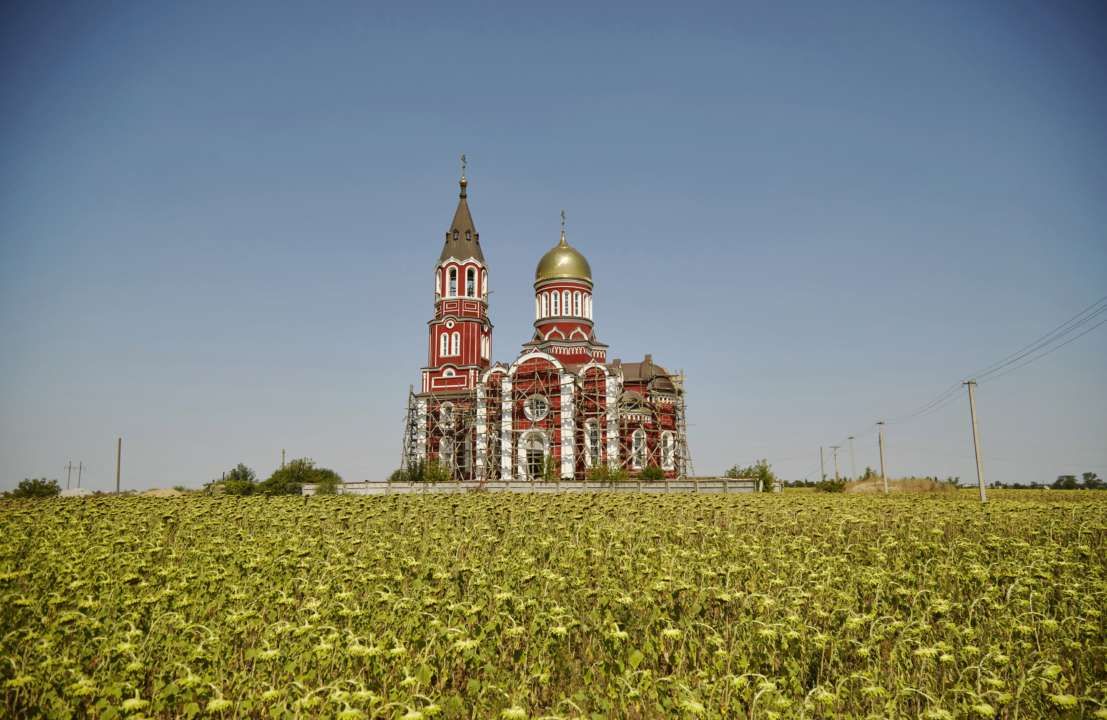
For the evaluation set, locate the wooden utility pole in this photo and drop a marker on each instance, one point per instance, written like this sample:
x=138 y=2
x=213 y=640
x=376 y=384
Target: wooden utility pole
x=880 y=441
x=282 y=457
x=976 y=440
x=835 y=449
x=822 y=465
x=852 y=465
x=118 y=462
x=80 y=469
x=68 y=473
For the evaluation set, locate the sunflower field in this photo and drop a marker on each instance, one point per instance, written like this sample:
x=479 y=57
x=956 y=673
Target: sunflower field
x=492 y=605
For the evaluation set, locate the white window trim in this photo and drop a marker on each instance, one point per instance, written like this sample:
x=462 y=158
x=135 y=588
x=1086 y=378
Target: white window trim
x=668 y=450
x=638 y=451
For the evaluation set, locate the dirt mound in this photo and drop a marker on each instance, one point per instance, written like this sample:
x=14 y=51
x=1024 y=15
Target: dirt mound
x=162 y=492
x=907 y=485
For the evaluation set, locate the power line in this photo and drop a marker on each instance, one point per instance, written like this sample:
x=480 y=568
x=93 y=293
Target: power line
x=1065 y=328
x=1048 y=352
x=1017 y=359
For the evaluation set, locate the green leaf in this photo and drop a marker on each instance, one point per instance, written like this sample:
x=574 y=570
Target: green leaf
x=635 y=659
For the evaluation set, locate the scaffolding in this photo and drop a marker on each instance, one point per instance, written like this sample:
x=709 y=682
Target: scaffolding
x=609 y=424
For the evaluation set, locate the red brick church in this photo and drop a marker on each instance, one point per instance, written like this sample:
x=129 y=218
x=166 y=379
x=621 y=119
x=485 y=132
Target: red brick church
x=560 y=408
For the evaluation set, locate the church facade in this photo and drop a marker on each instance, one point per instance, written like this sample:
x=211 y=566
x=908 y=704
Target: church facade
x=561 y=408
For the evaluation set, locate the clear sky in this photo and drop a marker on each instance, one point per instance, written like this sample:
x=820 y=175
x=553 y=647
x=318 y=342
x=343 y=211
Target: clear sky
x=218 y=221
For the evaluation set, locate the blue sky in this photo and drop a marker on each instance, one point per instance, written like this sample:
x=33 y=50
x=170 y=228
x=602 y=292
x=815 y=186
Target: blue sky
x=218 y=222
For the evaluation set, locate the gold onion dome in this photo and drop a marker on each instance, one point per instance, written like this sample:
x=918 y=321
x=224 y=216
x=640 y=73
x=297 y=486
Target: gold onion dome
x=563 y=261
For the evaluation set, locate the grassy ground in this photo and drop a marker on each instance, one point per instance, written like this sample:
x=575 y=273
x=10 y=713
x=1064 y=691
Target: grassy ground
x=517 y=606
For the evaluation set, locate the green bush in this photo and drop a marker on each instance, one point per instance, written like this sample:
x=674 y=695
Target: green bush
x=760 y=470
x=35 y=488
x=831 y=486
x=651 y=473
x=422 y=471
x=240 y=480
x=608 y=475
x=290 y=479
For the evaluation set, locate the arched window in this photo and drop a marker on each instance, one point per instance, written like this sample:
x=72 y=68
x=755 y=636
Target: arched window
x=638 y=449
x=455 y=344
x=668 y=451
x=588 y=306
x=576 y=303
x=471 y=282
x=484 y=283
x=453 y=283
x=592 y=444
x=537 y=308
x=566 y=303
x=446 y=415
x=534 y=448
x=437 y=283
x=444 y=344
x=555 y=306
x=545 y=305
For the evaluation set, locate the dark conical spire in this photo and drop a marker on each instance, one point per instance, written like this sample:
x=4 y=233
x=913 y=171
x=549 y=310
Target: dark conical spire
x=462 y=240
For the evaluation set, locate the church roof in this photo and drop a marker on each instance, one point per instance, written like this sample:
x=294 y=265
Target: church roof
x=647 y=371
x=462 y=240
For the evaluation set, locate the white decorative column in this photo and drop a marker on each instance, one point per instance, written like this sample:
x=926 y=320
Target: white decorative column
x=421 y=434
x=482 y=428
x=505 y=430
x=613 y=383
x=568 y=426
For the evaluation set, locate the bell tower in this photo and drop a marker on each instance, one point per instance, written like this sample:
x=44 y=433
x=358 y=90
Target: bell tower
x=459 y=343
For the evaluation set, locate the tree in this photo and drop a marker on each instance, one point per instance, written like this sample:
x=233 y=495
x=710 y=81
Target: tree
x=240 y=480
x=326 y=482
x=290 y=479
x=35 y=488
x=1065 y=482
x=1093 y=481
x=760 y=470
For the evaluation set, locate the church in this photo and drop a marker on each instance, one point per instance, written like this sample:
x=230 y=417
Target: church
x=561 y=408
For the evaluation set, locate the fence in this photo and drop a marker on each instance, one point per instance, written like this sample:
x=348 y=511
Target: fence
x=700 y=485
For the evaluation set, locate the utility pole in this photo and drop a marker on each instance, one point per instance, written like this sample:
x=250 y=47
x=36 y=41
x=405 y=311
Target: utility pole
x=852 y=466
x=822 y=464
x=880 y=441
x=118 y=462
x=68 y=473
x=976 y=440
x=80 y=469
x=835 y=449
x=282 y=457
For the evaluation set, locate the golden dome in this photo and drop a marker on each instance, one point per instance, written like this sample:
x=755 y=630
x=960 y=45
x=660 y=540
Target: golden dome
x=563 y=261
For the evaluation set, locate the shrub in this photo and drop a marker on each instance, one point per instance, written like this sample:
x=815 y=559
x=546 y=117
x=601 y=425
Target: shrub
x=760 y=470
x=651 y=473
x=831 y=486
x=239 y=480
x=35 y=488
x=327 y=482
x=290 y=479
x=607 y=475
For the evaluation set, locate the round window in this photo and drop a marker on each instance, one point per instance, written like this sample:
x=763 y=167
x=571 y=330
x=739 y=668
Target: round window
x=536 y=407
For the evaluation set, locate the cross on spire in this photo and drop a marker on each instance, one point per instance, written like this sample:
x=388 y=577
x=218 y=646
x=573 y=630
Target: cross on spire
x=464 y=164
x=562 y=226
